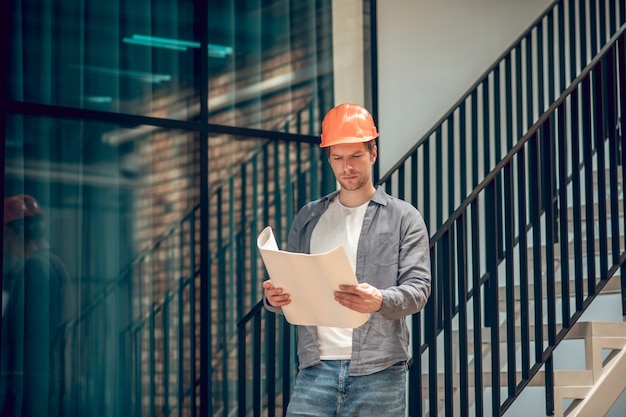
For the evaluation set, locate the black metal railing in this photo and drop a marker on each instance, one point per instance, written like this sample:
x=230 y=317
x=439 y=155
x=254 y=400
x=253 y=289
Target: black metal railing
x=239 y=208
x=511 y=282
x=467 y=142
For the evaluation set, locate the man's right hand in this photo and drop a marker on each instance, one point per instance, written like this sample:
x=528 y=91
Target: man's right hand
x=275 y=296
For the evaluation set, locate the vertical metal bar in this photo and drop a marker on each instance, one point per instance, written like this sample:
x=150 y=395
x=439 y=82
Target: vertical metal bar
x=486 y=139
x=463 y=150
x=496 y=116
x=573 y=50
x=576 y=196
x=221 y=298
x=278 y=203
x=552 y=70
x=416 y=404
x=588 y=163
x=151 y=365
x=426 y=176
x=180 y=340
x=535 y=220
x=288 y=177
x=593 y=26
x=401 y=175
x=600 y=124
x=240 y=252
x=287 y=361
x=497 y=140
x=266 y=184
x=519 y=92
x=373 y=79
x=192 y=316
x=582 y=33
x=563 y=213
x=602 y=36
x=523 y=263
x=446 y=279
x=508 y=100
x=439 y=175
x=492 y=260
x=201 y=58
x=548 y=197
x=612 y=115
x=414 y=179
x=453 y=177
x=561 y=45
x=165 y=409
x=476 y=311
x=530 y=93
x=475 y=140
x=241 y=372
x=256 y=369
x=461 y=246
x=138 y=352
x=254 y=226
x=270 y=331
x=612 y=17
x=538 y=52
x=509 y=239
x=431 y=313
x=230 y=275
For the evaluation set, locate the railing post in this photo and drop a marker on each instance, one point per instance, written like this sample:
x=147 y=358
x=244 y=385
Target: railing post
x=432 y=329
x=492 y=301
x=477 y=306
x=621 y=44
x=447 y=310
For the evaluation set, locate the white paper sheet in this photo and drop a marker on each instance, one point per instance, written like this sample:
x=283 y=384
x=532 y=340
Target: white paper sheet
x=311 y=281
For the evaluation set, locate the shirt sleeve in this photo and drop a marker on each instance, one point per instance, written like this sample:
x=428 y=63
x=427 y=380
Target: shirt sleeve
x=414 y=272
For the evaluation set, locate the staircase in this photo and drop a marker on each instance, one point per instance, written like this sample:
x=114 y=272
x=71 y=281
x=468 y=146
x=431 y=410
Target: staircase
x=595 y=389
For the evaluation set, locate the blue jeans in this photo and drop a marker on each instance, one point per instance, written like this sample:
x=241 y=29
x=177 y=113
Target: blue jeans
x=327 y=390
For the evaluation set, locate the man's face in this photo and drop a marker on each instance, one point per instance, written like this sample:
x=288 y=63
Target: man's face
x=352 y=165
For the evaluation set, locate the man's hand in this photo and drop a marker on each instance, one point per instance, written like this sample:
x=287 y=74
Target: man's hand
x=275 y=296
x=362 y=298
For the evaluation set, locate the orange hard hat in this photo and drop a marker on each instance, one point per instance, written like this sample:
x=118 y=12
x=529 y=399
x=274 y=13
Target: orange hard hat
x=19 y=207
x=347 y=123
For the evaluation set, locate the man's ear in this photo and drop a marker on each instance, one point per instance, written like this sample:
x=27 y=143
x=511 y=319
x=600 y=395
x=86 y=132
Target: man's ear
x=374 y=153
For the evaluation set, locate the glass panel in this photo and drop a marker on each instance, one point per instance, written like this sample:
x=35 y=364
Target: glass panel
x=131 y=57
x=267 y=60
x=98 y=301
x=275 y=62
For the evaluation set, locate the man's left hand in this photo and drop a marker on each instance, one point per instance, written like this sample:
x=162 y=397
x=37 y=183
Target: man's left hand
x=363 y=298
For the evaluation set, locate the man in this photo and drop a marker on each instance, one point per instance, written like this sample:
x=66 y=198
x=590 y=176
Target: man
x=358 y=372
x=35 y=302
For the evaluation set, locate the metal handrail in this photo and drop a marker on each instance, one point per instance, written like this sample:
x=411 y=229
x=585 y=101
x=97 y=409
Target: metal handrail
x=550 y=146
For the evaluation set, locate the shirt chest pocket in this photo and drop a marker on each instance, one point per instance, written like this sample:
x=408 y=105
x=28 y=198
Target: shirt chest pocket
x=386 y=250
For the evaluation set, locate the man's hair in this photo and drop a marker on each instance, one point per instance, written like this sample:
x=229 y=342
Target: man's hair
x=369 y=145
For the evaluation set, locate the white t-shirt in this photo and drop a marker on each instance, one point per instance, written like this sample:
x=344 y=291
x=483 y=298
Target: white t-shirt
x=339 y=225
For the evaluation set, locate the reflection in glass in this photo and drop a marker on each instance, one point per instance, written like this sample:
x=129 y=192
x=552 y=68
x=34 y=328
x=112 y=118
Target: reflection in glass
x=117 y=219
x=119 y=203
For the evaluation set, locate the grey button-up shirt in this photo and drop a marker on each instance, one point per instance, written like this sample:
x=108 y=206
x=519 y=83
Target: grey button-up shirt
x=393 y=255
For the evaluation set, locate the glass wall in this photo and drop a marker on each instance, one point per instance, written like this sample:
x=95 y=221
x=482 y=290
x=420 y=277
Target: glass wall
x=121 y=119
